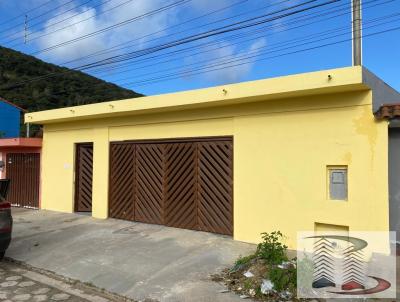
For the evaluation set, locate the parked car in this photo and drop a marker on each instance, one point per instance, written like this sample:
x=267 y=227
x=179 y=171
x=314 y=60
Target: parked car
x=6 y=220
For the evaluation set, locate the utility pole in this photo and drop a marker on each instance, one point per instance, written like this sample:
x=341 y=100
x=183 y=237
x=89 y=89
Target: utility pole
x=26 y=29
x=356 y=32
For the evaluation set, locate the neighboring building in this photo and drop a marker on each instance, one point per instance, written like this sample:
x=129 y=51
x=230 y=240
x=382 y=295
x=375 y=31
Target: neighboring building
x=19 y=158
x=293 y=153
x=20 y=162
x=10 y=119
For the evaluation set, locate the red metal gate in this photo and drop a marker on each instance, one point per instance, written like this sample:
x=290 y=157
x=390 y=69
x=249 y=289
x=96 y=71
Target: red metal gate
x=23 y=170
x=185 y=183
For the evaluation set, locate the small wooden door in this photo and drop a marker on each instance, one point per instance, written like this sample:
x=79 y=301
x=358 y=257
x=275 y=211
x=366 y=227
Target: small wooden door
x=83 y=177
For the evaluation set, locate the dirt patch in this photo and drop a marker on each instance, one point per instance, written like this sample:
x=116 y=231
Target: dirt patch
x=251 y=280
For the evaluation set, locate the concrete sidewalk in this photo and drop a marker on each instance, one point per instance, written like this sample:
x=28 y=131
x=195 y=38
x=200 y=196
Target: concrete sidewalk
x=132 y=259
x=20 y=282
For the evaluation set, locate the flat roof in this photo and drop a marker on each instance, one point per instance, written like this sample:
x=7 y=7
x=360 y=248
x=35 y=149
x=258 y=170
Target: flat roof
x=21 y=142
x=312 y=83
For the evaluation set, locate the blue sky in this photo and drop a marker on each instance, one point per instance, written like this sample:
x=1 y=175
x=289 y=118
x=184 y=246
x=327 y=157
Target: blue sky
x=271 y=49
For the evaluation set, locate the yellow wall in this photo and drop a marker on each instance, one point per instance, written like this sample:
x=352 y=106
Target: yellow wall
x=281 y=151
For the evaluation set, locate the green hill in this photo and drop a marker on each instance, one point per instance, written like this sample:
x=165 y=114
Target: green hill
x=69 y=88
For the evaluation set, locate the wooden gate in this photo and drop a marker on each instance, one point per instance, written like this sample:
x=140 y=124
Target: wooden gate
x=181 y=192
x=149 y=178
x=23 y=170
x=180 y=183
x=83 y=177
x=122 y=186
x=215 y=183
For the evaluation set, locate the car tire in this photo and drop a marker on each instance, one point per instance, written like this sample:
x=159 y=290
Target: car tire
x=2 y=253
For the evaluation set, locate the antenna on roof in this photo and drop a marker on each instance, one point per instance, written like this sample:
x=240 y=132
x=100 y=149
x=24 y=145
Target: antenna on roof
x=356 y=32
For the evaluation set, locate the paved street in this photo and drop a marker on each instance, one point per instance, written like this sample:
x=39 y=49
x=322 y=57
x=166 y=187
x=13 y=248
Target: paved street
x=22 y=283
x=131 y=259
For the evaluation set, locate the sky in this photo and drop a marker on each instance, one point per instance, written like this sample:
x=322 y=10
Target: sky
x=293 y=36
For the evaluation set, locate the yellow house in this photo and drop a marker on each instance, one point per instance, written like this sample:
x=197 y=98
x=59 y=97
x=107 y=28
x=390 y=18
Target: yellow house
x=292 y=153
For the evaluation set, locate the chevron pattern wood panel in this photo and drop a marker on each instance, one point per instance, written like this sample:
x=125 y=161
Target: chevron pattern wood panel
x=122 y=181
x=84 y=176
x=150 y=183
x=181 y=186
x=184 y=183
x=215 y=212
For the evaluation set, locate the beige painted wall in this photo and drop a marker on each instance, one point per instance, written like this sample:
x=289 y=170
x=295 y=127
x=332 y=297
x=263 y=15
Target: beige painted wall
x=281 y=151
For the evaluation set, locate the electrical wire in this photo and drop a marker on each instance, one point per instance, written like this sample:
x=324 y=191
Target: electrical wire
x=191 y=73
x=258 y=51
x=227 y=28
x=117 y=47
x=52 y=24
x=36 y=17
x=72 y=24
x=248 y=56
x=217 y=67
x=25 y=13
x=119 y=24
x=385 y=18
x=257 y=60
x=247 y=34
x=210 y=33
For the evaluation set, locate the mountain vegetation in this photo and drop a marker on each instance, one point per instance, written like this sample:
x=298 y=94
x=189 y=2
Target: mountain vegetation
x=19 y=84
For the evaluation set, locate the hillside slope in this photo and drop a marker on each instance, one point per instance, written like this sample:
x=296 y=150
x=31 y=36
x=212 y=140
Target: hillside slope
x=66 y=89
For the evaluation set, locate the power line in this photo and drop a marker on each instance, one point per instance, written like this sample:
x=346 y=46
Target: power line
x=117 y=48
x=119 y=24
x=257 y=50
x=191 y=73
x=227 y=28
x=53 y=17
x=210 y=33
x=284 y=43
x=265 y=58
x=36 y=17
x=25 y=13
x=248 y=59
x=246 y=34
x=75 y=23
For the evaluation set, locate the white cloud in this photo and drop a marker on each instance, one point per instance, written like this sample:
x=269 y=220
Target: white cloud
x=110 y=13
x=107 y=15
x=97 y=21
x=70 y=51
x=228 y=55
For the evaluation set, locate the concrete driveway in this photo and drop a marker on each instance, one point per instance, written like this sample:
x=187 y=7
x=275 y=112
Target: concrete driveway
x=132 y=259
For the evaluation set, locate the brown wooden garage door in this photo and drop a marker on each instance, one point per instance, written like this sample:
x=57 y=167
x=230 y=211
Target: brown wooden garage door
x=186 y=183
